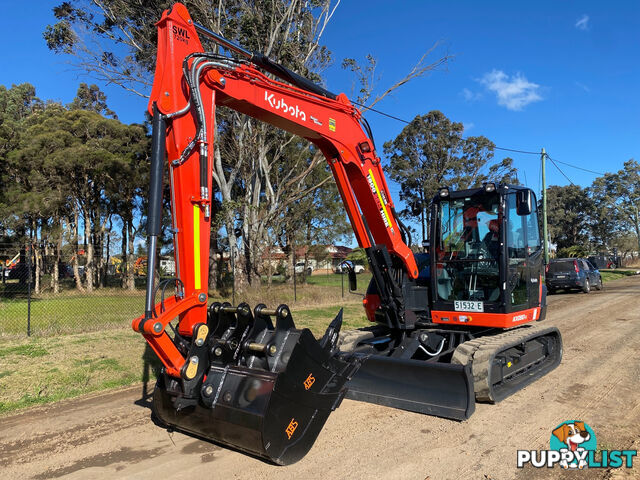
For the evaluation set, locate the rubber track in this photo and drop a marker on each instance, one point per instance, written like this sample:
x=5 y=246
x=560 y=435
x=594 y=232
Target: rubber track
x=480 y=351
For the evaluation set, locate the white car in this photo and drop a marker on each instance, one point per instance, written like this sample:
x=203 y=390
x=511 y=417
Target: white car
x=299 y=268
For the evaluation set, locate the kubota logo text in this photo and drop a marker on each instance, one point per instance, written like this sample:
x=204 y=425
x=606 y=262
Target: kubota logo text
x=280 y=104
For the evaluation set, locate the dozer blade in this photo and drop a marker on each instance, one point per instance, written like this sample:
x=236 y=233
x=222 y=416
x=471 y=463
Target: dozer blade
x=443 y=390
x=273 y=404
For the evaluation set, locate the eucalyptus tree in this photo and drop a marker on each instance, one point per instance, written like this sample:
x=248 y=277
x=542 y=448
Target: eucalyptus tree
x=431 y=152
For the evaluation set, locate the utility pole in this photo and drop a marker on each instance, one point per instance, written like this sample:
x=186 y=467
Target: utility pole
x=545 y=233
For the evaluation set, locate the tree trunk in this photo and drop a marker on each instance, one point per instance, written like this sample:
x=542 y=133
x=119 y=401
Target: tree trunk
x=124 y=256
x=213 y=257
x=74 y=242
x=249 y=267
x=107 y=256
x=636 y=224
x=98 y=247
x=290 y=267
x=89 y=267
x=55 y=280
x=131 y=279
x=36 y=256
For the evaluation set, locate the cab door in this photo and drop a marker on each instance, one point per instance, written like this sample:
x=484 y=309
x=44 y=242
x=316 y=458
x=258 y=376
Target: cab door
x=516 y=285
x=535 y=257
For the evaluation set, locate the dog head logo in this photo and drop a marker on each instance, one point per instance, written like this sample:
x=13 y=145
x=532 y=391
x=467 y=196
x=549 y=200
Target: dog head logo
x=572 y=434
x=575 y=437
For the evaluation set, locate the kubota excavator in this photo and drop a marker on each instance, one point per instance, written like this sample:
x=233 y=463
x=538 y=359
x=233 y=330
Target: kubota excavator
x=443 y=331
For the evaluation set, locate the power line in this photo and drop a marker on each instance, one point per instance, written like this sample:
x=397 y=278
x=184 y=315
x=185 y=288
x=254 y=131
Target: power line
x=382 y=113
x=518 y=151
x=526 y=152
x=575 y=166
x=560 y=170
x=393 y=117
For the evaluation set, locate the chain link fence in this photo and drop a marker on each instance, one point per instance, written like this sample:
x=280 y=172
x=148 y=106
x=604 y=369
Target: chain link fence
x=42 y=295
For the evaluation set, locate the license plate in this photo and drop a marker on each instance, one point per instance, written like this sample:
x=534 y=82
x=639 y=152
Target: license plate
x=468 y=306
x=561 y=276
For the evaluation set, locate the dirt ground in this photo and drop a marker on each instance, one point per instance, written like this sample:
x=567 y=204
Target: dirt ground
x=111 y=436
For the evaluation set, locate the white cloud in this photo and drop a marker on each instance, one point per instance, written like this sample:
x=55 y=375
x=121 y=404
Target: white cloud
x=514 y=92
x=468 y=126
x=470 y=96
x=582 y=86
x=583 y=22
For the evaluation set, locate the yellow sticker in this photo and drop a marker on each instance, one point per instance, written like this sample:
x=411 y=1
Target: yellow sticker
x=196 y=247
x=332 y=124
x=385 y=215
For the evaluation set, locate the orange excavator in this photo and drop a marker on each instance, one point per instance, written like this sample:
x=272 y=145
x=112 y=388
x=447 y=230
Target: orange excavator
x=448 y=328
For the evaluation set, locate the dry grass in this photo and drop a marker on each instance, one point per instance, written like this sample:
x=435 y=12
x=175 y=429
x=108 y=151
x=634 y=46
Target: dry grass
x=43 y=370
x=46 y=369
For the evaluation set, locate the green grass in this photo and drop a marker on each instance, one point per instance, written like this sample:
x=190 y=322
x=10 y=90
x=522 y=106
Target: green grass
x=27 y=350
x=67 y=367
x=609 y=275
x=317 y=319
x=71 y=365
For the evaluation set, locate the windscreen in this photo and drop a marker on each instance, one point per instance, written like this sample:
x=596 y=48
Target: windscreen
x=469 y=248
x=562 y=266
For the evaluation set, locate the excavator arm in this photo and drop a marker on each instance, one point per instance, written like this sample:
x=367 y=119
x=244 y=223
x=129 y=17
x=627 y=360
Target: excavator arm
x=188 y=85
x=229 y=373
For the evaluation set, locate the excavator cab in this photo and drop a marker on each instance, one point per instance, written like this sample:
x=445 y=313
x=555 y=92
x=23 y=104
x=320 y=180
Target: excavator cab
x=487 y=257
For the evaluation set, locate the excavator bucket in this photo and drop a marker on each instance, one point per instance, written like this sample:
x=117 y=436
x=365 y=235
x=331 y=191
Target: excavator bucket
x=267 y=391
x=439 y=389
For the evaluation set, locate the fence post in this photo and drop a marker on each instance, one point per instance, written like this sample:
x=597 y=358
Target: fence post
x=28 y=291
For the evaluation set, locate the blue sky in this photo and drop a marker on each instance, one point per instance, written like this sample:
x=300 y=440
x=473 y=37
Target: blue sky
x=559 y=75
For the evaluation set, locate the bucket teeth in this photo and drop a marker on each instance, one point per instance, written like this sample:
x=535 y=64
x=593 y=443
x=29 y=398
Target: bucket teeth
x=263 y=389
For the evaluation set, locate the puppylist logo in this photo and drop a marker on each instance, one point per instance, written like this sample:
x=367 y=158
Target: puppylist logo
x=573 y=445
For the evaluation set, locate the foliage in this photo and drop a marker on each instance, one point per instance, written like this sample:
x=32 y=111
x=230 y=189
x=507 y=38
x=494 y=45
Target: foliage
x=90 y=97
x=63 y=167
x=358 y=256
x=431 y=152
x=573 y=251
x=566 y=215
x=624 y=188
x=598 y=218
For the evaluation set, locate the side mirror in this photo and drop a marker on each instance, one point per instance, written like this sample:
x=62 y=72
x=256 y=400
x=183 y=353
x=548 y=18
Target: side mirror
x=524 y=202
x=353 y=281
